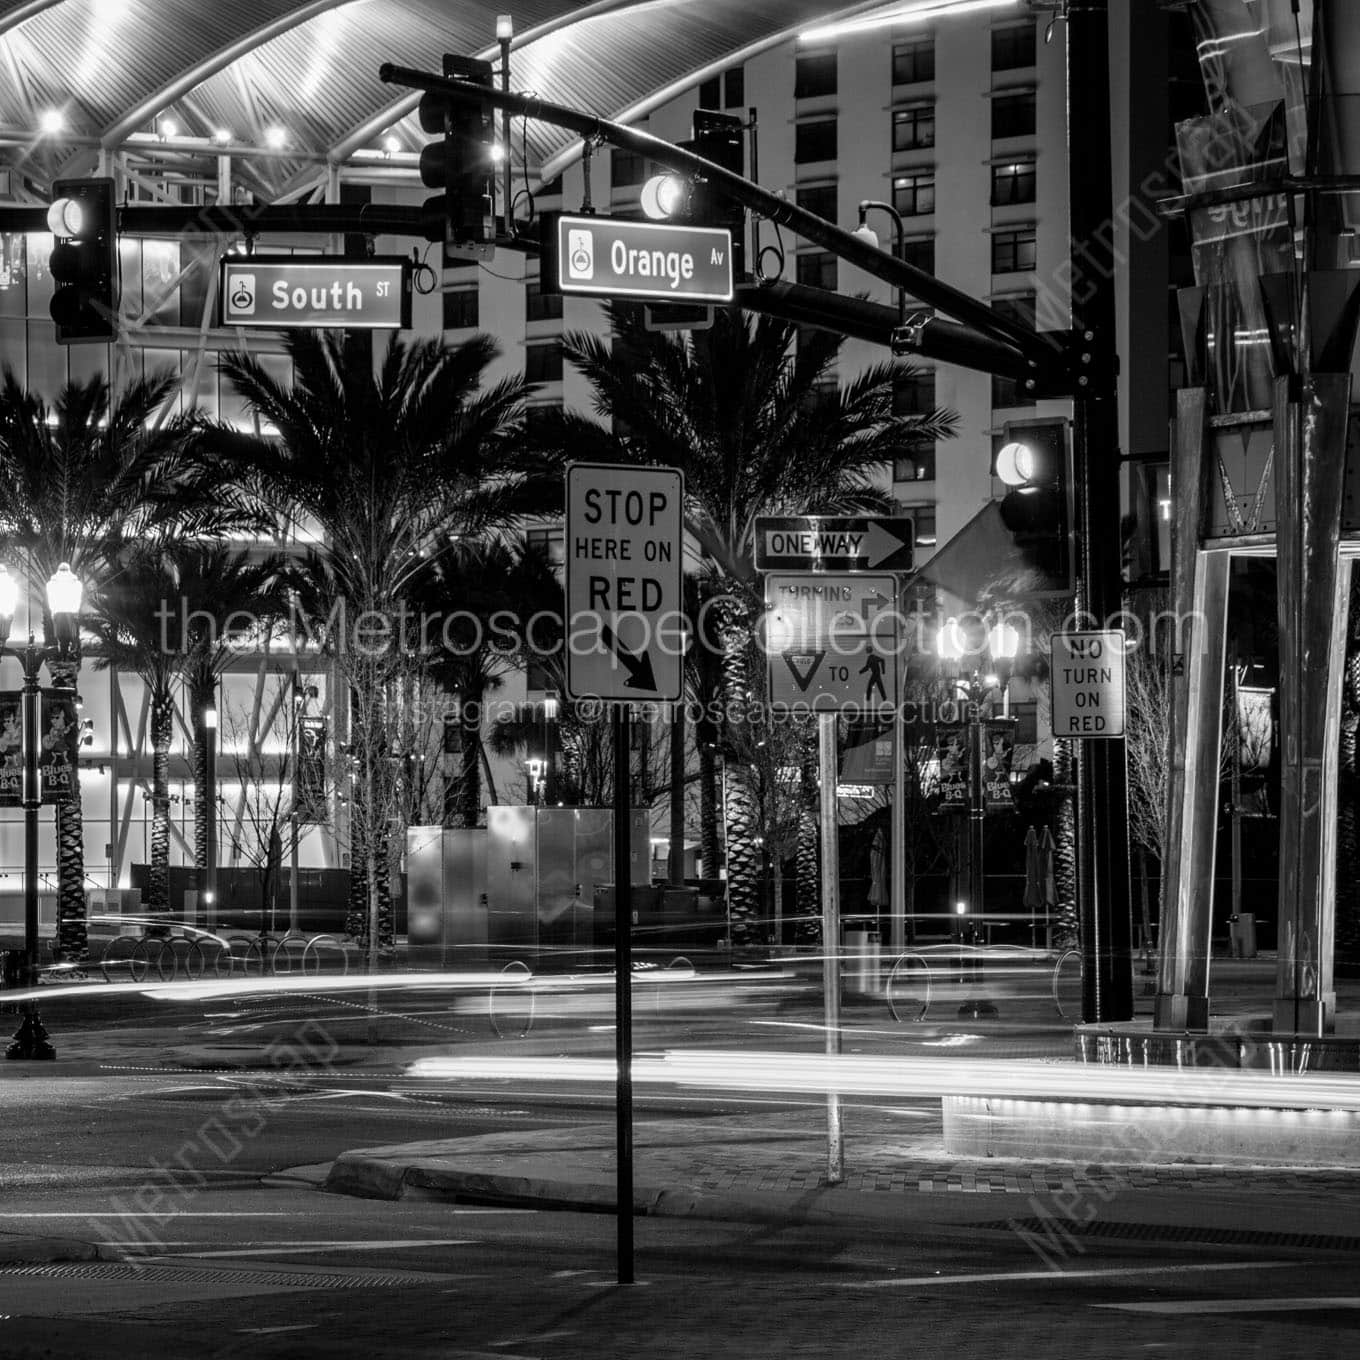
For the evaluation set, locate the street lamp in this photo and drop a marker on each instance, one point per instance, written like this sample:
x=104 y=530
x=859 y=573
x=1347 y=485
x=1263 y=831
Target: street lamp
x=951 y=645
x=866 y=233
x=63 y=603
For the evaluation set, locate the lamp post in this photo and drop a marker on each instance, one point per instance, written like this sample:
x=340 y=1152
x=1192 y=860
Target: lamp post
x=63 y=604
x=897 y=872
x=952 y=645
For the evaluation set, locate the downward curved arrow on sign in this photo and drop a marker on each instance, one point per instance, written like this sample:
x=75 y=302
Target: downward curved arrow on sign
x=638 y=665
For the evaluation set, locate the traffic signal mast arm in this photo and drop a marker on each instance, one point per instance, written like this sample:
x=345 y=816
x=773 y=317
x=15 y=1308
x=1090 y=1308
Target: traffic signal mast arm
x=1040 y=353
x=947 y=342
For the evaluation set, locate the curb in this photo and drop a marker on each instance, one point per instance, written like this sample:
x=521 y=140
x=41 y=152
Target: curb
x=366 y=1177
x=44 y=1250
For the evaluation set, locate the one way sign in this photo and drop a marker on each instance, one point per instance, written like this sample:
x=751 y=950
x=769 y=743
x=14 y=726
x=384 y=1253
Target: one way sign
x=834 y=543
x=625 y=620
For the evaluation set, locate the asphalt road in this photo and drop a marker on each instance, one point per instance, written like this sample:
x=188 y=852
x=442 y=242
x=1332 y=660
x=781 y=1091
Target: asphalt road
x=209 y=1251
x=161 y=1135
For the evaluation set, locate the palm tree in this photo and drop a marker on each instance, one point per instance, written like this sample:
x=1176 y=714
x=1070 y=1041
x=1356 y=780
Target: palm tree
x=79 y=480
x=478 y=599
x=130 y=627
x=221 y=595
x=757 y=428
x=387 y=463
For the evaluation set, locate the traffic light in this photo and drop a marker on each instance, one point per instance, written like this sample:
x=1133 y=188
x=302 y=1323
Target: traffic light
x=1033 y=463
x=461 y=165
x=669 y=196
x=84 y=261
x=720 y=138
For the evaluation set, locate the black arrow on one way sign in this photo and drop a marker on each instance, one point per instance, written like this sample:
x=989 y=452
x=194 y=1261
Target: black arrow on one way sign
x=638 y=666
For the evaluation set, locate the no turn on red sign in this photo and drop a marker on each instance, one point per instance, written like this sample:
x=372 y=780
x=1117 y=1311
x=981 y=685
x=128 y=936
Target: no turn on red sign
x=1088 y=684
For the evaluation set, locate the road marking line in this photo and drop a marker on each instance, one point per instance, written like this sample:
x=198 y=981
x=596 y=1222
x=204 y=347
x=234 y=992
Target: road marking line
x=131 y=1213
x=1062 y=1275
x=346 y=1244
x=1288 y=1305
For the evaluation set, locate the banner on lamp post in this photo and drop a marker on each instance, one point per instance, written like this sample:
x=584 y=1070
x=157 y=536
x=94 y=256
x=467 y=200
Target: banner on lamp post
x=59 y=751
x=11 y=749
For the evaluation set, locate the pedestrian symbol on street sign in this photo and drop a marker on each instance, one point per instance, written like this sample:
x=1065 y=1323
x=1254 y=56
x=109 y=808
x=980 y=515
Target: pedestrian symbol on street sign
x=624 y=548
x=832 y=642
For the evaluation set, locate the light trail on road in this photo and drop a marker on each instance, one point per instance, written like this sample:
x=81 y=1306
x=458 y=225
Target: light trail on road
x=892 y=1076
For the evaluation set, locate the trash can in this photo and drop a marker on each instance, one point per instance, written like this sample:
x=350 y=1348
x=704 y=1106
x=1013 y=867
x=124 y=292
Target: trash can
x=862 y=957
x=1242 y=935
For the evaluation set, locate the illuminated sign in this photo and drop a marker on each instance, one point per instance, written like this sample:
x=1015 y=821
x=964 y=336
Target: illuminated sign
x=280 y=292
x=661 y=261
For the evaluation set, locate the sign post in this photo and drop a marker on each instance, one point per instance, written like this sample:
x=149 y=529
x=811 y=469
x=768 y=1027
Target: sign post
x=831 y=646
x=1088 y=684
x=625 y=643
x=831 y=935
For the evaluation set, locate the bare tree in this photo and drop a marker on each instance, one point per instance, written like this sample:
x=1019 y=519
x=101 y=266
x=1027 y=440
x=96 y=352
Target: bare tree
x=260 y=830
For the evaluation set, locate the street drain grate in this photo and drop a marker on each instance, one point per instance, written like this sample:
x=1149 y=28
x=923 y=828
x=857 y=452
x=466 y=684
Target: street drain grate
x=1174 y=1232
x=115 y=1273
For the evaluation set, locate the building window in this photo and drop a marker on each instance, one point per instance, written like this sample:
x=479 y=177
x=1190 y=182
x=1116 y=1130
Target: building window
x=541 y=306
x=626 y=168
x=1013 y=182
x=819 y=199
x=1013 y=47
x=913 y=394
x=1007 y=392
x=919 y=251
x=1013 y=252
x=710 y=93
x=913 y=128
x=538 y=415
x=543 y=362
x=1013 y=115
x=914 y=195
x=814 y=141
x=460 y=308
x=1020 y=308
x=734 y=87
x=923 y=518
x=818 y=269
x=913 y=61
x=814 y=74
x=917 y=464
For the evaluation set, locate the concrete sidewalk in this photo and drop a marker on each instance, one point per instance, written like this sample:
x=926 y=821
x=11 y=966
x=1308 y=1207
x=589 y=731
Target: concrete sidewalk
x=772 y=1167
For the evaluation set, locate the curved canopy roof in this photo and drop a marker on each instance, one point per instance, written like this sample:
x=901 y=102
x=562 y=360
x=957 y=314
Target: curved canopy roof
x=292 y=85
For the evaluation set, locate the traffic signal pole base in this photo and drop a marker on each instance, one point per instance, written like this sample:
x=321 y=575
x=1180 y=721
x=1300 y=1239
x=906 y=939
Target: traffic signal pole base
x=30 y=1040
x=978 y=1010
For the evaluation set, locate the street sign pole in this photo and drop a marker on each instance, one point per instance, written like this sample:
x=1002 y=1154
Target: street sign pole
x=897 y=923
x=623 y=995
x=831 y=936
x=624 y=548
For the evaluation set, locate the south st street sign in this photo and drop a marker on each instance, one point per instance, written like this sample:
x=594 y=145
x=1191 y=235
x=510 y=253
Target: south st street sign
x=279 y=292
x=660 y=261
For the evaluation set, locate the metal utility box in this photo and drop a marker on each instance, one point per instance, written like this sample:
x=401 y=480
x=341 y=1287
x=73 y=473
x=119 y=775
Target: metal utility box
x=543 y=866
x=446 y=892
